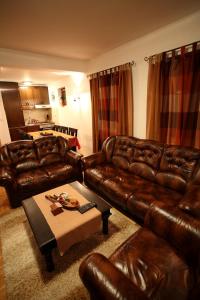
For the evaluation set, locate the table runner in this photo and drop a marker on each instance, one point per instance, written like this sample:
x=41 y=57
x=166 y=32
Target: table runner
x=70 y=226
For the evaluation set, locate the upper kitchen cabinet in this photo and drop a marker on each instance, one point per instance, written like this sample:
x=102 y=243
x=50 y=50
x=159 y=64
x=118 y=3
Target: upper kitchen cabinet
x=42 y=94
x=33 y=95
x=12 y=103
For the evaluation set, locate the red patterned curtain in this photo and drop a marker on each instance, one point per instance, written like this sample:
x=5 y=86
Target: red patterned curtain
x=174 y=92
x=112 y=103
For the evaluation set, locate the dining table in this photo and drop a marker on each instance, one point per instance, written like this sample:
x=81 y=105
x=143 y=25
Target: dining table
x=72 y=140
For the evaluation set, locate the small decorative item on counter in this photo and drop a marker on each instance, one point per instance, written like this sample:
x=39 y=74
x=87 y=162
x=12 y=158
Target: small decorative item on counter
x=56 y=208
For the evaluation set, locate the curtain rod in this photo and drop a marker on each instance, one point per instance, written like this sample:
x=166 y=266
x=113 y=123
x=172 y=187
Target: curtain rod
x=174 y=49
x=132 y=63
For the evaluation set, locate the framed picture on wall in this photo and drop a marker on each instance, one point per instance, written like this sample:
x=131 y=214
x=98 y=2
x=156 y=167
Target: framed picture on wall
x=62 y=96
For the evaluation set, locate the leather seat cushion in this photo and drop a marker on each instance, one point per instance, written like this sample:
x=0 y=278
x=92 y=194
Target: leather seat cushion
x=59 y=171
x=145 y=192
x=153 y=266
x=32 y=179
x=127 y=190
x=100 y=173
x=120 y=187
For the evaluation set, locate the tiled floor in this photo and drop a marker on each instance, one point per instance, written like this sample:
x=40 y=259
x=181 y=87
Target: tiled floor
x=4 y=208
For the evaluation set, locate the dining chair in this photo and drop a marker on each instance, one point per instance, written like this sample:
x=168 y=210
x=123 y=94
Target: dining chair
x=73 y=131
x=65 y=130
x=23 y=135
x=55 y=127
x=60 y=128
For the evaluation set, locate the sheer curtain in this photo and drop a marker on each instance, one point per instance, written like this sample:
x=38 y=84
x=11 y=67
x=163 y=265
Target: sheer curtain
x=173 y=98
x=112 y=103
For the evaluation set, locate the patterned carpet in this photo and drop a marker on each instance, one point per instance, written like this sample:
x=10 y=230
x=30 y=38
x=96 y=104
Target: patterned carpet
x=24 y=267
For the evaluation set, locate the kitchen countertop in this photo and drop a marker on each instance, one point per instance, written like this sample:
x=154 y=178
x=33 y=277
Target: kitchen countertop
x=41 y=123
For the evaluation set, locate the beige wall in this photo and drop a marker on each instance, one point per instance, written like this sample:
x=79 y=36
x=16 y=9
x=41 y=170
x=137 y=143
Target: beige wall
x=185 y=31
x=77 y=112
x=4 y=131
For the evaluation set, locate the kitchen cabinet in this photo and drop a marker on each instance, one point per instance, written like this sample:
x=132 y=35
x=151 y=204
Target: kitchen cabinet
x=33 y=95
x=15 y=98
x=12 y=105
x=31 y=128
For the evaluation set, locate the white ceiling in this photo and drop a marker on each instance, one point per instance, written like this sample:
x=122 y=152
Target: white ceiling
x=83 y=29
x=35 y=76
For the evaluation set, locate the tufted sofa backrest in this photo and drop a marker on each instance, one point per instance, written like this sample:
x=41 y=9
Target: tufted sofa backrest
x=50 y=150
x=171 y=166
x=123 y=151
x=24 y=155
x=177 y=167
x=146 y=159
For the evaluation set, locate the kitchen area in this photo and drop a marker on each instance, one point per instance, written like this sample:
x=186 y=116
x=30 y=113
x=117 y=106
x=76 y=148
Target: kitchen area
x=27 y=108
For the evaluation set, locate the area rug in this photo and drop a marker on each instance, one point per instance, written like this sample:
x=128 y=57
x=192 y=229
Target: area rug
x=24 y=268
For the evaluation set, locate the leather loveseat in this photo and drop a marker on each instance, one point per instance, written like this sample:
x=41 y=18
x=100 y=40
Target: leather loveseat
x=132 y=173
x=159 y=261
x=31 y=167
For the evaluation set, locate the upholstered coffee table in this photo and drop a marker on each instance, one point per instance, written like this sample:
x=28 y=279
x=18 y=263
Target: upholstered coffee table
x=42 y=231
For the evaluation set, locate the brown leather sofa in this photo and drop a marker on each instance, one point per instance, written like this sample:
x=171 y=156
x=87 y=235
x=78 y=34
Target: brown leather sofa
x=132 y=173
x=160 y=261
x=31 y=167
x=159 y=185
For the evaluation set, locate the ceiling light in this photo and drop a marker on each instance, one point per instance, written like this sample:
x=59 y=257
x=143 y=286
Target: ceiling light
x=25 y=83
x=30 y=83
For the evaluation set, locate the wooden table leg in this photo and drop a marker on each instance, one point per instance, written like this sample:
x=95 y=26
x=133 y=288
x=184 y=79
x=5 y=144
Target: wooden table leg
x=49 y=261
x=105 y=217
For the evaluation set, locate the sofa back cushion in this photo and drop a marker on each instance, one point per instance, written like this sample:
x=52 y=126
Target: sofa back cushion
x=48 y=150
x=63 y=146
x=146 y=159
x=140 y=157
x=177 y=166
x=22 y=155
x=123 y=151
x=196 y=174
x=4 y=156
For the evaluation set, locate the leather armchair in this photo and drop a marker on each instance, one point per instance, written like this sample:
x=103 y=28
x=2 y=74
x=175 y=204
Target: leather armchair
x=105 y=281
x=161 y=260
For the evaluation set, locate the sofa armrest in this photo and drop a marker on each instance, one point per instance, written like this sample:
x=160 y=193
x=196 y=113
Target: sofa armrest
x=73 y=158
x=180 y=229
x=6 y=175
x=105 y=281
x=93 y=160
x=190 y=202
